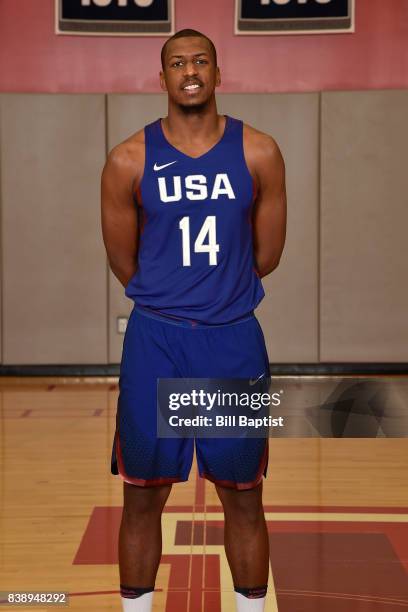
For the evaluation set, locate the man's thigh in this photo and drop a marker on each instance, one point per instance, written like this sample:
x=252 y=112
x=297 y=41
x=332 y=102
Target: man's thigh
x=138 y=455
x=232 y=351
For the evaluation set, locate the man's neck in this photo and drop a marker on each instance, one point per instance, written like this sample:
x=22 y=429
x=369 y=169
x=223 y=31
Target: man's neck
x=192 y=125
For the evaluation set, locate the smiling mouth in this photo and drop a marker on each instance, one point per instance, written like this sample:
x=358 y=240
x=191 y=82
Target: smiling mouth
x=192 y=87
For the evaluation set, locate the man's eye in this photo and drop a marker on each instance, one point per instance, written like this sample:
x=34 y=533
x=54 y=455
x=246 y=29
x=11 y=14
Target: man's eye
x=180 y=62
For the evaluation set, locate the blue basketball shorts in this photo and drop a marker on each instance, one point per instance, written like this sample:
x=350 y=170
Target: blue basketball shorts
x=157 y=346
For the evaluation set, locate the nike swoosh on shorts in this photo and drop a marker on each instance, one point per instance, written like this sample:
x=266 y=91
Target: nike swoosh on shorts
x=253 y=381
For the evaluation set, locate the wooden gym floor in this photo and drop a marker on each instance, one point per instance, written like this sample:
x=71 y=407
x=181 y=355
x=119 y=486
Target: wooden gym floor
x=337 y=512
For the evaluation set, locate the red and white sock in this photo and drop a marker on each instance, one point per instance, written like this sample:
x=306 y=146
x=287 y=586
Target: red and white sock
x=135 y=599
x=250 y=599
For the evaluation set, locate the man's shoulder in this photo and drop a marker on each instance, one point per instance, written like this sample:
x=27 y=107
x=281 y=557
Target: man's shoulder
x=261 y=151
x=128 y=155
x=129 y=149
x=259 y=142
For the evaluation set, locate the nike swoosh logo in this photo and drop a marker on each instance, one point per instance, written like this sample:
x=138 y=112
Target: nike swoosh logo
x=253 y=381
x=156 y=167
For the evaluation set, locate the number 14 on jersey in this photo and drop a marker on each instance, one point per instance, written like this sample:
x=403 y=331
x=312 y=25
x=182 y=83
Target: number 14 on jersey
x=211 y=247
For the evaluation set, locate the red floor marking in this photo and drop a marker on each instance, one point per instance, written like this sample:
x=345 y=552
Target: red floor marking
x=344 y=596
x=26 y=413
x=179 y=572
x=397 y=533
x=212 y=601
x=304 y=509
x=332 y=509
x=184 y=533
x=176 y=601
x=307 y=602
x=178 y=509
x=212 y=577
x=196 y=583
x=98 y=412
x=199 y=499
x=96 y=547
x=198 y=533
x=32 y=415
x=298 y=549
x=87 y=593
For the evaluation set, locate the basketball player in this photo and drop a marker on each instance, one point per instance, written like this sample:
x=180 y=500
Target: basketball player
x=193 y=216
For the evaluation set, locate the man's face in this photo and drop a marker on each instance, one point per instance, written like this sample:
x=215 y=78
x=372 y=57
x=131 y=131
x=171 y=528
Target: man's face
x=190 y=74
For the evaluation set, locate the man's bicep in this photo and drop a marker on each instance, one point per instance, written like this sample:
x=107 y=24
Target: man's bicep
x=118 y=214
x=269 y=220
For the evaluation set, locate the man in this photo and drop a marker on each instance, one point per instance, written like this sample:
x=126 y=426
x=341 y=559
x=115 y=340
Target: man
x=193 y=216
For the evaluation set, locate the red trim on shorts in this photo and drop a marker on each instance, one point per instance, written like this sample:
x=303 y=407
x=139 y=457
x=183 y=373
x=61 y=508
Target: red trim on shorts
x=150 y=482
x=242 y=486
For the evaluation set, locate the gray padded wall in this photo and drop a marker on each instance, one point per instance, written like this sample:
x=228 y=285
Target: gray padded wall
x=55 y=286
x=364 y=220
x=126 y=115
x=289 y=313
x=54 y=267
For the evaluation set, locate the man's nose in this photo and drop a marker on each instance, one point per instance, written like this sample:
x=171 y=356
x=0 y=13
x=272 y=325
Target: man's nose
x=190 y=68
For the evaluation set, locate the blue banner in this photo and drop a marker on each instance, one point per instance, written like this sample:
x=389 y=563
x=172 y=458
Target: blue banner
x=115 y=17
x=293 y=16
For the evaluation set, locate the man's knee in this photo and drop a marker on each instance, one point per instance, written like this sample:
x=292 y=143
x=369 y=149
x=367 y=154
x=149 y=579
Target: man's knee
x=242 y=506
x=139 y=501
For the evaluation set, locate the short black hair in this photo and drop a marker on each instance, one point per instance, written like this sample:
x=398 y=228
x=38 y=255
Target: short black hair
x=184 y=34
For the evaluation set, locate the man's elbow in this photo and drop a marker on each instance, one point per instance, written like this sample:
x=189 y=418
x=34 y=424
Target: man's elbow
x=123 y=270
x=267 y=267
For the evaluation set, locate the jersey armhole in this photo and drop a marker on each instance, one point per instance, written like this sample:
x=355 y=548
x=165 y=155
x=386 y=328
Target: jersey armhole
x=255 y=188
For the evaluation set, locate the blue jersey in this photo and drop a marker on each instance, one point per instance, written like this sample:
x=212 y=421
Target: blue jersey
x=196 y=258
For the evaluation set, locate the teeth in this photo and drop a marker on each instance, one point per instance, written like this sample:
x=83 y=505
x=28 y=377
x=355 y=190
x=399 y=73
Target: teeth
x=191 y=87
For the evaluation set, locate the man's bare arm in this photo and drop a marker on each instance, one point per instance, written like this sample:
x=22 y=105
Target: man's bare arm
x=269 y=217
x=121 y=173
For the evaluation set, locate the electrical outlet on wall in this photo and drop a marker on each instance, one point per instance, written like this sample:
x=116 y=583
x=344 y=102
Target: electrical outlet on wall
x=121 y=324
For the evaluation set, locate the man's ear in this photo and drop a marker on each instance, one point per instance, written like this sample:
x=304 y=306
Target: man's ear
x=162 y=81
x=218 y=78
